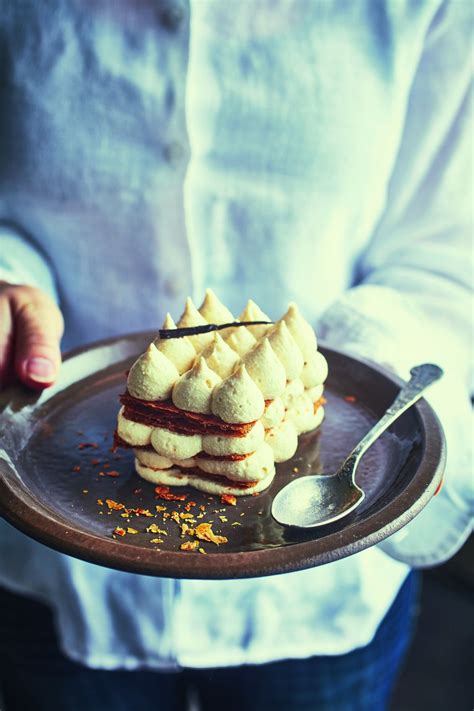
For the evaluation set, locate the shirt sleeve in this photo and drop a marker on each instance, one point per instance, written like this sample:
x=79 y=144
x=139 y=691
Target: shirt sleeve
x=22 y=263
x=413 y=301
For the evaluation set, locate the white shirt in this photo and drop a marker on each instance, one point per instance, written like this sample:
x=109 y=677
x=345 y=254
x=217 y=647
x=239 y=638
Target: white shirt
x=309 y=151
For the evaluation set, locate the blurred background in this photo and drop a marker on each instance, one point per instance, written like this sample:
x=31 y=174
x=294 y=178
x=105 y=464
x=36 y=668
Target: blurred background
x=438 y=674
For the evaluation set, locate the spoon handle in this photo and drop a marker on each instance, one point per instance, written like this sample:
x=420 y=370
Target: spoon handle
x=421 y=377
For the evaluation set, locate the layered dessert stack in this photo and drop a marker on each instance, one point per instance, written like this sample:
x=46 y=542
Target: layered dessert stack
x=217 y=410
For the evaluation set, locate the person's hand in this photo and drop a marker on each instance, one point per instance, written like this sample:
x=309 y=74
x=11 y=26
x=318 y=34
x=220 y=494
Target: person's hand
x=31 y=326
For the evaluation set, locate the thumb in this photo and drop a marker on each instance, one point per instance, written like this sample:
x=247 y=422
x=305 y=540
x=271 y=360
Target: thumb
x=38 y=326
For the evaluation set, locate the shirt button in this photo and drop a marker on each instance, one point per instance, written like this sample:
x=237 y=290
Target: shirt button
x=173 y=152
x=172 y=16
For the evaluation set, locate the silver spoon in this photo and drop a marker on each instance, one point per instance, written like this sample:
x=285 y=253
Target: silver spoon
x=323 y=498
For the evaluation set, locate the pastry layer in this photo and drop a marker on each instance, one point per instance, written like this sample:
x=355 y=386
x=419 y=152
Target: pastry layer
x=165 y=414
x=211 y=484
x=254 y=467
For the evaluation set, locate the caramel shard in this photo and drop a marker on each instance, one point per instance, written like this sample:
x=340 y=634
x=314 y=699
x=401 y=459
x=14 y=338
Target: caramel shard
x=205 y=533
x=153 y=528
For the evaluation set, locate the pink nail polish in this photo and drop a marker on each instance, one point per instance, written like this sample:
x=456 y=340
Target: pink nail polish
x=41 y=369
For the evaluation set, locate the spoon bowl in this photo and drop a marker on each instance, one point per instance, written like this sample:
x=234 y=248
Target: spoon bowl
x=315 y=500
x=319 y=499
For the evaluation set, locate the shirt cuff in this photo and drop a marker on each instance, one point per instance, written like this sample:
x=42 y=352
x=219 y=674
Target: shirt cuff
x=22 y=263
x=378 y=323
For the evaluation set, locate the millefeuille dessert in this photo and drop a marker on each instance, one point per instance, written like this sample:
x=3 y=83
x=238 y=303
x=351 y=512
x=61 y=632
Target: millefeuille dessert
x=217 y=410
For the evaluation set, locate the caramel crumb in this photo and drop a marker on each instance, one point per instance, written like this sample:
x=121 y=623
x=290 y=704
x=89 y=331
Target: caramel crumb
x=77 y=468
x=205 y=533
x=156 y=540
x=114 y=505
x=163 y=492
x=120 y=531
x=131 y=530
x=189 y=545
x=153 y=528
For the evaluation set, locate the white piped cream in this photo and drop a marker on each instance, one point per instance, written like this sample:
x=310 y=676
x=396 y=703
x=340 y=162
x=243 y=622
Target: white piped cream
x=193 y=391
x=274 y=413
x=237 y=399
x=133 y=432
x=150 y=458
x=179 y=351
x=152 y=376
x=293 y=389
x=253 y=468
x=252 y=312
x=266 y=370
x=283 y=439
x=214 y=310
x=220 y=357
x=301 y=331
x=315 y=393
x=286 y=350
x=175 y=446
x=301 y=412
x=223 y=445
x=241 y=340
x=315 y=370
x=190 y=318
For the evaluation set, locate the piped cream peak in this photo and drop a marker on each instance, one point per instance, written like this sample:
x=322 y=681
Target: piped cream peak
x=287 y=350
x=238 y=399
x=253 y=312
x=180 y=351
x=213 y=310
x=191 y=317
x=301 y=330
x=193 y=391
x=220 y=357
x=152 y=376
x=266 y=370
x=241 y=340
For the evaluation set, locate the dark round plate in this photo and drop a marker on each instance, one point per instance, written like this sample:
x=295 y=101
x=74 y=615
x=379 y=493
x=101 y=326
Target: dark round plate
x=50 y=482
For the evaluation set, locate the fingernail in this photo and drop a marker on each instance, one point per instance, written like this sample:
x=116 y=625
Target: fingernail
x=41 y=369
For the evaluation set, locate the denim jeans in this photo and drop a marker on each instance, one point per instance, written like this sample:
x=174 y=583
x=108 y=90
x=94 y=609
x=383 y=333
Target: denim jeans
x=35 y=676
